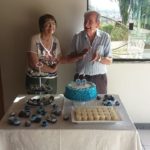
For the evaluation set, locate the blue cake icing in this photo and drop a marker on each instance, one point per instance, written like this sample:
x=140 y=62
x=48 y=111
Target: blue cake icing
x=80 y=93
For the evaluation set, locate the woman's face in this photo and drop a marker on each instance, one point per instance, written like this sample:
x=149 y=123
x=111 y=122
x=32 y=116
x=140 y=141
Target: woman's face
x=49 y=26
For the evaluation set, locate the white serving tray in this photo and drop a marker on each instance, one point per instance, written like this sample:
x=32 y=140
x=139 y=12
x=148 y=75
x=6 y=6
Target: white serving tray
x=73 y=118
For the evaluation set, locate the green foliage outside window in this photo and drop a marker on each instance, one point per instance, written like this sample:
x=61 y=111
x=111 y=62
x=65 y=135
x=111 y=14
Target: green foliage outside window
x=117 y=32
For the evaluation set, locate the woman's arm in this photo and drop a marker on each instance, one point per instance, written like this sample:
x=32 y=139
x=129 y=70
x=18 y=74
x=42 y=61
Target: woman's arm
x=73 y=57
x=33 y=61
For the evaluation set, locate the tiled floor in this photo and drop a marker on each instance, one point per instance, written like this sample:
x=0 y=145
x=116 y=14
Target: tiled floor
x=145 y=138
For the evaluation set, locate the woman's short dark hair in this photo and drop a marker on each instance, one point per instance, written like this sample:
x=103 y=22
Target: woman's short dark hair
x=43 y=19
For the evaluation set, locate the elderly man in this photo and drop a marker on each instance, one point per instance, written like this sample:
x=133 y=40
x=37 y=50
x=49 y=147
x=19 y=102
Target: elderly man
x=91 y=48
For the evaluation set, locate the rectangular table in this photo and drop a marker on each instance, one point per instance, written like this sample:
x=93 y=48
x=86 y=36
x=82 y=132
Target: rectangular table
x=65 y=135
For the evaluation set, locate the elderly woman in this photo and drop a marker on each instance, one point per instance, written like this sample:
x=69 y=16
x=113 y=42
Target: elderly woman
x=43 y=57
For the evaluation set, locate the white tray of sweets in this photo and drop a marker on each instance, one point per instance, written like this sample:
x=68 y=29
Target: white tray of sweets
x=95 y=114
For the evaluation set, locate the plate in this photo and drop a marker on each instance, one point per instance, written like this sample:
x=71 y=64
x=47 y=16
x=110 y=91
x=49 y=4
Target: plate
x=40 y=100
x=96 y=114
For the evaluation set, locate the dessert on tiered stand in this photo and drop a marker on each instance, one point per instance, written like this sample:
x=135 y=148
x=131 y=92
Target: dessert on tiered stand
x=40 y=90
x=36 y=109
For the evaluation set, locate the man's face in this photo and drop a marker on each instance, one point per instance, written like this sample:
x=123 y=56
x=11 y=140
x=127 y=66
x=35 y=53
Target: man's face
x=91 y=23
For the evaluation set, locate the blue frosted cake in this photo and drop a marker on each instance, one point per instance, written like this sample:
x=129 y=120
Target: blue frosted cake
x=80 y=92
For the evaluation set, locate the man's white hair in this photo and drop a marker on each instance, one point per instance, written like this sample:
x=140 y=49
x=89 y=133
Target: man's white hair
x=98 y=15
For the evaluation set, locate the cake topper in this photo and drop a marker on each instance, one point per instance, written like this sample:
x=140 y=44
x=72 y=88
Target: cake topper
x=78 y=82
x=84 y=81
x=81 y=81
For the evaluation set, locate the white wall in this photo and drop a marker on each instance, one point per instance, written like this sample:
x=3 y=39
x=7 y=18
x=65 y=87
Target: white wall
x=131 y=81
x=19 y=21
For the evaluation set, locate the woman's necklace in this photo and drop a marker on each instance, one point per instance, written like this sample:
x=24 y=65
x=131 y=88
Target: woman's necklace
x=47 y=43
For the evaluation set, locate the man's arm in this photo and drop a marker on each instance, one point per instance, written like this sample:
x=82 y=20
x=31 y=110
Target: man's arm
x=103 y=60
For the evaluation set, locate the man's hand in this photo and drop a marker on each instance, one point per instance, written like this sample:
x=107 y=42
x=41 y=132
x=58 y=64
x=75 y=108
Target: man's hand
x=96 y=57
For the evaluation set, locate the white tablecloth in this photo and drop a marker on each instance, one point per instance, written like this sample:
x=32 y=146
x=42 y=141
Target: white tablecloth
x=65 y=135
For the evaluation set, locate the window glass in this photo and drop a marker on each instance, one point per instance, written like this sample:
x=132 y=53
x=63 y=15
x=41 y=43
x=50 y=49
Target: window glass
x=128 y=23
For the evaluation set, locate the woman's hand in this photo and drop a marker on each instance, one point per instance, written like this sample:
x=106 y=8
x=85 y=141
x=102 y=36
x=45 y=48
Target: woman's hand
x=36 y=64
x=53 y=68
x=82 y=54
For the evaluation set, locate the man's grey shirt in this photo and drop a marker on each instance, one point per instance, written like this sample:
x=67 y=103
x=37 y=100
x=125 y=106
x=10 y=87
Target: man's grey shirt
x=101 y=44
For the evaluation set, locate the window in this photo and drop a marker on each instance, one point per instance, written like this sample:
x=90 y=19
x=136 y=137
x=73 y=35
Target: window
x=128 y=23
